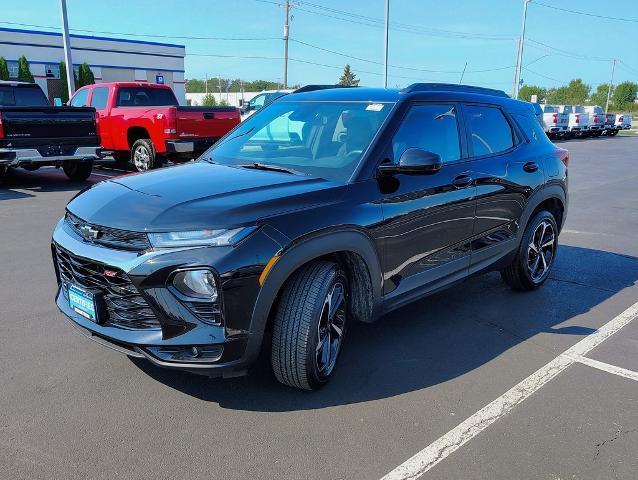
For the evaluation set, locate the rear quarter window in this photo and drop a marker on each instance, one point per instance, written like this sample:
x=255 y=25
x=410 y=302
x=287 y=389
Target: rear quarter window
x=531 y=128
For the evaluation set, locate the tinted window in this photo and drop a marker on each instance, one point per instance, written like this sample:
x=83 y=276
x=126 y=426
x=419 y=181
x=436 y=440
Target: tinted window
x=433 y=128
x=533 y=131
x=22 y=97
x=100 y=94
x=490 y=131
x=145 y=97
x=80 y=98
x=258 y=101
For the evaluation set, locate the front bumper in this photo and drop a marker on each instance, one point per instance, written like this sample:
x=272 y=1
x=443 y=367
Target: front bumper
x=17 y=157
x=193 y=147
x=235 y=338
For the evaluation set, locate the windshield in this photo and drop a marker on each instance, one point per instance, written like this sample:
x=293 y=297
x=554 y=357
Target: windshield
x=322 y=139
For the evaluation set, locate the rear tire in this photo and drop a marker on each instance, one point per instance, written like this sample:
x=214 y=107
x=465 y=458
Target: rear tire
x=613 y=133
x=78 y=171
x=536 y=253
x=309 y=325
x=143 y=155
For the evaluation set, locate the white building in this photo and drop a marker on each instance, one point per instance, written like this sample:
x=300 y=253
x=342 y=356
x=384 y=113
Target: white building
x=110 y=59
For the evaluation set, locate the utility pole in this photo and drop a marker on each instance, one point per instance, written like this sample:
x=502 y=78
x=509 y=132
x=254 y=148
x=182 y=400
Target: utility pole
x=286 y=31
x=67 y=49
x=387 y=37
x=611 y=83
x=519 y=55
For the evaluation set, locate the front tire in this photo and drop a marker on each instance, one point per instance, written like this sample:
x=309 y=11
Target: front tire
x=309 y=326
x=536 y=253
x=78 y=171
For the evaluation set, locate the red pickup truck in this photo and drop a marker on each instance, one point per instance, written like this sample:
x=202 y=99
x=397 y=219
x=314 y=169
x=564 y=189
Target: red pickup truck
x=143 y=123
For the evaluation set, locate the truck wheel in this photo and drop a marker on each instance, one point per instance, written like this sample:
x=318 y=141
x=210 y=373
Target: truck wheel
x=143 y=155
x=309 y=325
x=536 y=253
x=613 y=133
x=78 y=171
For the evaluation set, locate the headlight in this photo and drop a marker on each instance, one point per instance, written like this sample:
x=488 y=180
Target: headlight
x=196 y=283
x=199 y=238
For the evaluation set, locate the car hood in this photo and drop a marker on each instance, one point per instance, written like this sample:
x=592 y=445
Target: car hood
x=199 y=195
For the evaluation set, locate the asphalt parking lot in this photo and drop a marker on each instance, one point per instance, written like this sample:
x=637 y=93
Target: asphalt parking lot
x=474 y=382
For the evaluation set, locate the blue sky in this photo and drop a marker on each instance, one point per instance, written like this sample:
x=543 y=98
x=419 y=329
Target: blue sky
x=430 y=40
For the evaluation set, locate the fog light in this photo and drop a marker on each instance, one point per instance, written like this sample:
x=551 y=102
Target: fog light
x=196 y=283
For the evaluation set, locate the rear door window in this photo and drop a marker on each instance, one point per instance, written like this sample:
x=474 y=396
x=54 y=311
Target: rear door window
x=98 y=99
x=490 y=132
x=433 y=128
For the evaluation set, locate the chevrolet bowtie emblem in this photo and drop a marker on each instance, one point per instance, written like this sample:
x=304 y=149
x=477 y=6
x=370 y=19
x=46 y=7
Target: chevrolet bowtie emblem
x=89 y=233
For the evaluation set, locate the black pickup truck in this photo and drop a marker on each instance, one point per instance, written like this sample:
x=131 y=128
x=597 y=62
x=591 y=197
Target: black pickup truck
x=35 y=134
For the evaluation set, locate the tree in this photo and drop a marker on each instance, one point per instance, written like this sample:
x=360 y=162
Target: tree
x=24 y=74
x=348 y=78
x=575 y=93
x=4 y=69
x=85 y=76
x=625 y=95
x=527 y=91
x=209 y=100
x=599 y=97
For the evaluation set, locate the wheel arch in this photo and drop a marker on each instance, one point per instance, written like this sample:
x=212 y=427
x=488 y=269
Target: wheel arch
x=352 y=249
x=552 y=198
x=133 y=134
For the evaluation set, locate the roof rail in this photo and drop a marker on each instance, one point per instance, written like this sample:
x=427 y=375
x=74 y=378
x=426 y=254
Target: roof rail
x=451 y=87
x=312 y=88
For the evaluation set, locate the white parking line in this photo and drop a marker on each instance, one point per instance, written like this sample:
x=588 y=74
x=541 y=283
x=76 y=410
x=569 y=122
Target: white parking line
x=441 y=448
x=606 y=367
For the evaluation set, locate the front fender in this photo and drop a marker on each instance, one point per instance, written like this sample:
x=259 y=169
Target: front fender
x=302 y=251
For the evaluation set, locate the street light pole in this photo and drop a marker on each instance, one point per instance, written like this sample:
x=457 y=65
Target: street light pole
x=387 y=36
x=611 y=84
x=519 y=55
x=67 y=49
x=286 y=30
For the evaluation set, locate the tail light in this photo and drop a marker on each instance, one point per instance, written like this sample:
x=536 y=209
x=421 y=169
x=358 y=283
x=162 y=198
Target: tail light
x=1 y=127
x=563 y=156
x=595 y=118
x=577 y=118
x=96 y=116
x=621 y=118
x=170 y=122
x=555 y=118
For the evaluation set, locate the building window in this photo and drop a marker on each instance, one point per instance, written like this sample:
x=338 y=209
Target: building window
x=13 y=68
x=52 y=70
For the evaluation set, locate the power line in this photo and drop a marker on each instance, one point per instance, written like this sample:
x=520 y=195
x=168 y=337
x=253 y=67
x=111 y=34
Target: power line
x=566 y=53
x=128 y=34
x=587 y=14
x=397 y=66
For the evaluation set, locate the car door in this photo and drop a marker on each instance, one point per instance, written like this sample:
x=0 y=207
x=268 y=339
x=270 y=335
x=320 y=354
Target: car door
x=505 y=174
x=428 y=219
x=99 y=101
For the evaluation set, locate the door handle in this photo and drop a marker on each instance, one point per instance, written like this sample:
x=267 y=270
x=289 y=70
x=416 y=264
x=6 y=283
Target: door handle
x=462 y=181
x=530 y=167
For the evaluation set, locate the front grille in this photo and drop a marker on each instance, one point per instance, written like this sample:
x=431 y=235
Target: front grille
x=109 y=237
x=124 y=305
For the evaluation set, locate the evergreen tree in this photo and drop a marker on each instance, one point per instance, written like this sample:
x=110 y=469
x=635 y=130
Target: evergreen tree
x=4 y=69
x=24 y=74
x=85 y=75
x=348 y=78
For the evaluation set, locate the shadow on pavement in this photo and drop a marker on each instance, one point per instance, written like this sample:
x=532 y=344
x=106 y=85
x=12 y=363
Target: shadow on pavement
x=433 y=340
x=42 y=180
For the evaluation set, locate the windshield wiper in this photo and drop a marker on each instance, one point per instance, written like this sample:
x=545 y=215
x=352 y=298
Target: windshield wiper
x=265 y=166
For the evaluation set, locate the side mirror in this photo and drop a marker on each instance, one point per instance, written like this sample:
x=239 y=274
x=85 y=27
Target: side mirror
x=414 y=161
x=57 y=102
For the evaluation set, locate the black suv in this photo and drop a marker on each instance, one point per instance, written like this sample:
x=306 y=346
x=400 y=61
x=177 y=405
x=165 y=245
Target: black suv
x=324 y=208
